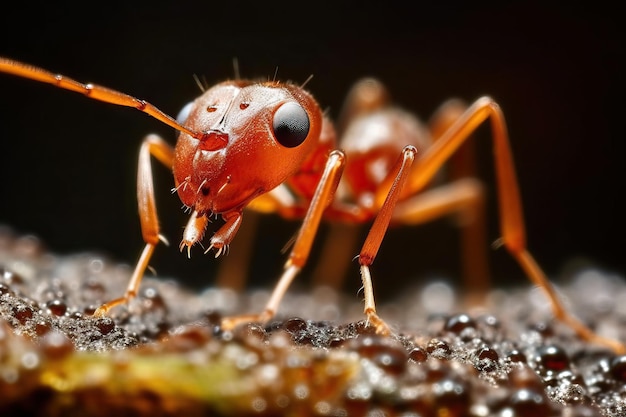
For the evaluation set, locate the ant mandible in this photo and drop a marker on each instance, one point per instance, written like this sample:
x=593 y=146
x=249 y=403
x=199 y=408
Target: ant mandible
x=267 y=146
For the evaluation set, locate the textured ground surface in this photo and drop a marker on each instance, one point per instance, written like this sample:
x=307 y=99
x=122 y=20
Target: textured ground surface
x=165 y=353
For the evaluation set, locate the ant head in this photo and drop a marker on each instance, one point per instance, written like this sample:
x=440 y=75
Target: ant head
x=256 y=136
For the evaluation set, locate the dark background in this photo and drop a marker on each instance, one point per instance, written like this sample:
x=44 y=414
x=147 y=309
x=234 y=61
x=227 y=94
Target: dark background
x=68 y=164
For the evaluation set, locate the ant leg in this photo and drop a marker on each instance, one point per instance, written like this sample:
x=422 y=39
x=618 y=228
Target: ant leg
x=473 y=227
x=400 y=175
x=337 y=252
x=157 y=147
x=463 y=198
x=233 y=269
x=510 y=206
x=304 y=241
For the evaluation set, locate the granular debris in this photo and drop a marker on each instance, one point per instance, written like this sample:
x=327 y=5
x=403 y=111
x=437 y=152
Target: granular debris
x=165 y=353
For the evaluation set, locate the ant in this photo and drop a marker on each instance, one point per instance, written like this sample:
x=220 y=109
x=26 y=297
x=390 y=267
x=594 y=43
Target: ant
x=267 y=146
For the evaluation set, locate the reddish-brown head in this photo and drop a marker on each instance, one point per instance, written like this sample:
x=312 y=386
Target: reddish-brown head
x=258 y=134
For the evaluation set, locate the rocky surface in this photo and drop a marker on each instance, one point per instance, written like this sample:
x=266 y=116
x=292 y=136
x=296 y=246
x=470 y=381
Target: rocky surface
x=165 y=353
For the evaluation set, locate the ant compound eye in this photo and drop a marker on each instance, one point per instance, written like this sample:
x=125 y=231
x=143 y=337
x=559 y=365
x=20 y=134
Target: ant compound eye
x=183 y=114
x=291 y=124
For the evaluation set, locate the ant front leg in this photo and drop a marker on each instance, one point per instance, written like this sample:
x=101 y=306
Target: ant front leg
x=152 y=145
x=323 y=196
x=400 y=175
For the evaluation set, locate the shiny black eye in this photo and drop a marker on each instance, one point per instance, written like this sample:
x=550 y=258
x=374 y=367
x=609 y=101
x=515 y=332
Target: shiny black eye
x=291 y=124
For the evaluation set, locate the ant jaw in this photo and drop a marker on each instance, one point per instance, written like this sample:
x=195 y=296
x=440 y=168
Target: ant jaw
x=194 y=231
x=220 y=248
x=184 y=244
x=217 y=253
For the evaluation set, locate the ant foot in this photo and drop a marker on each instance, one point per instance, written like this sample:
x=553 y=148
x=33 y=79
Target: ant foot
x=229 y=323
x=104 y=308
x=381 y=327
x=101 y=311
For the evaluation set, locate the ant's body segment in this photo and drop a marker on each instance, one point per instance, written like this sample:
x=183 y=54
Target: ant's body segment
x=267 y=146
